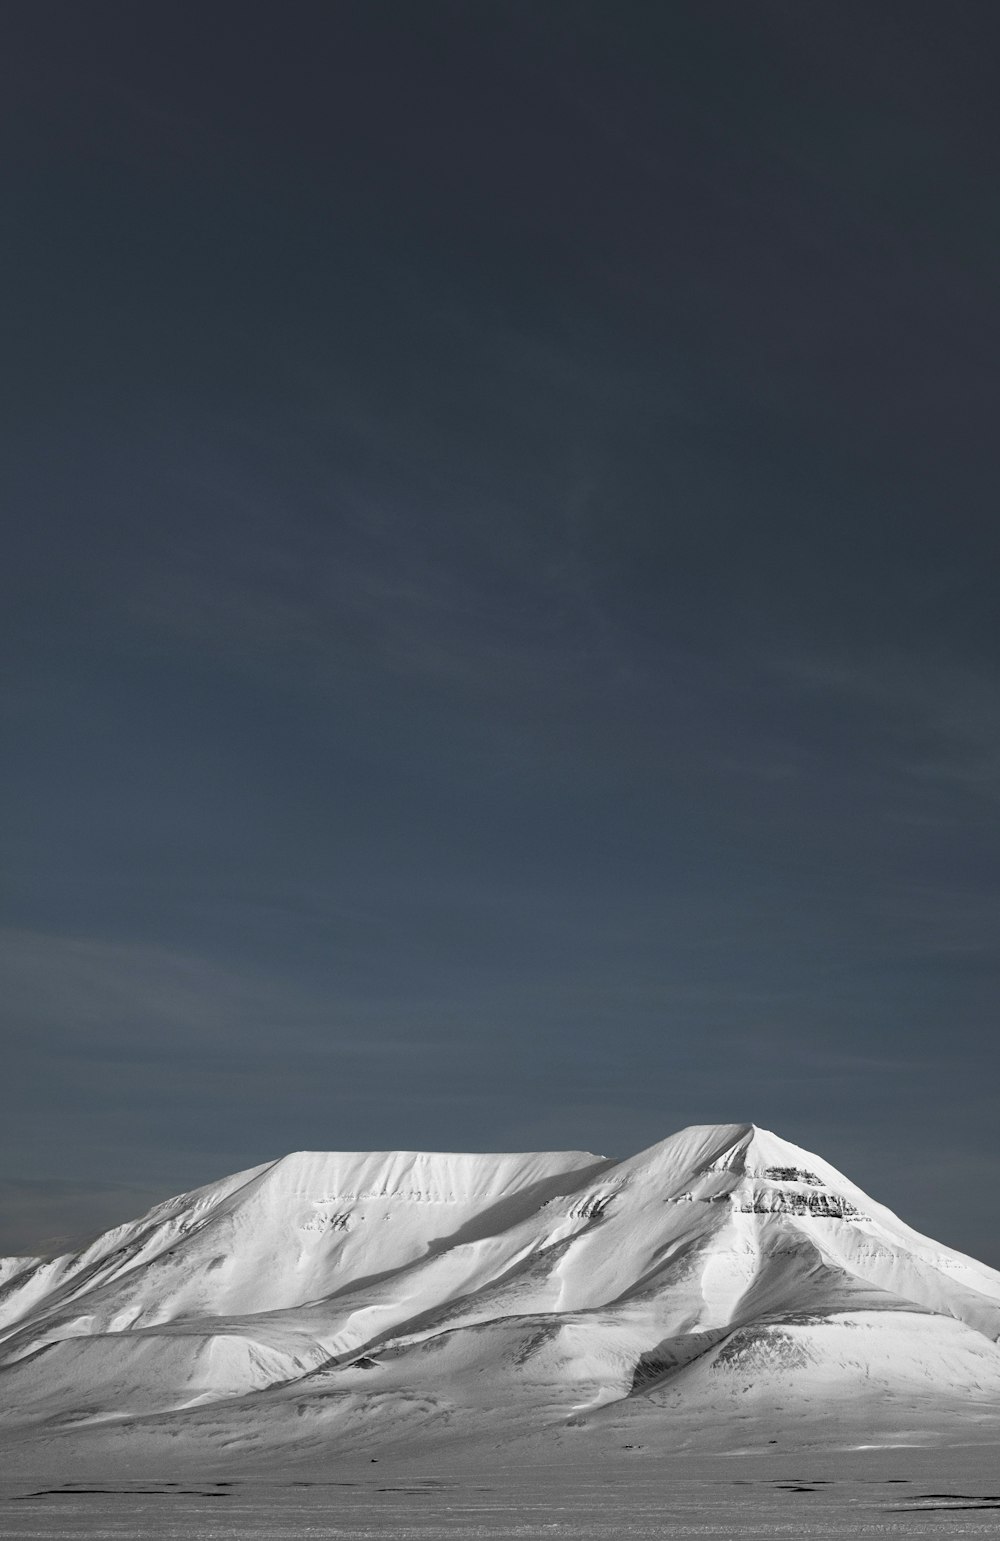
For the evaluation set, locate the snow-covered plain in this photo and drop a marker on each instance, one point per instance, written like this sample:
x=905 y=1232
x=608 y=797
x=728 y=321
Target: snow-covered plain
x=722 y=1331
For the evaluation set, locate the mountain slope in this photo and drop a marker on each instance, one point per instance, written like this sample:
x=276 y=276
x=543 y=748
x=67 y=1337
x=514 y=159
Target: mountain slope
x=722 y=1274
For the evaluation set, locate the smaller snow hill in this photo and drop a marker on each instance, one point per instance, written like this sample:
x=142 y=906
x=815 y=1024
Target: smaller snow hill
x=723 y=1280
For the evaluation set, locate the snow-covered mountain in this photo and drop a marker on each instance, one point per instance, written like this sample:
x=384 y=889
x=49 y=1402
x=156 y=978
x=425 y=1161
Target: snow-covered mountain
x=723 y=1280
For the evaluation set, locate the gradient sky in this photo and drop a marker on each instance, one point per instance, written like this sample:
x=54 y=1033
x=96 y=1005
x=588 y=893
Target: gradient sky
x=500 y=588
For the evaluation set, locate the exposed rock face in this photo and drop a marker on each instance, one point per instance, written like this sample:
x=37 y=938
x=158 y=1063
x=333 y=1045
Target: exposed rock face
x=785 y=1201
x=342 y=1293
x=792 y=1174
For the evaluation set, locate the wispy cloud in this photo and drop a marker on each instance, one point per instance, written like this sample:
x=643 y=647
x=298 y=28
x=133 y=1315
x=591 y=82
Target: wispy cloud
x=42 y=1217
x=933 y=721
x=94 y=997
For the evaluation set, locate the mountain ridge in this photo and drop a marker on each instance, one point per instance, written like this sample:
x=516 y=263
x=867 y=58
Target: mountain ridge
x=394 y=1292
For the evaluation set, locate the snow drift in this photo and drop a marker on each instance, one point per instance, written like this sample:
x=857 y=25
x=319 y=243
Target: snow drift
x=720 y=1280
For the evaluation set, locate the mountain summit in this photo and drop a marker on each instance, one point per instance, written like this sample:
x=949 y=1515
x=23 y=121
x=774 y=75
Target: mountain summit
x=719 y=1285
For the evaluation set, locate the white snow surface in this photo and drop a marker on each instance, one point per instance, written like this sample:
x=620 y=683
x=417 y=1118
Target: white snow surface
x=711 y=1290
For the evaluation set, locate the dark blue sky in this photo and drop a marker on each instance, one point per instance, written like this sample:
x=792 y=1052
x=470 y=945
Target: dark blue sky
x=500 y=592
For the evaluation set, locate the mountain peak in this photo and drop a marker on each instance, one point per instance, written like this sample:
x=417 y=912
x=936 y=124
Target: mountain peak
x=720 y=1259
